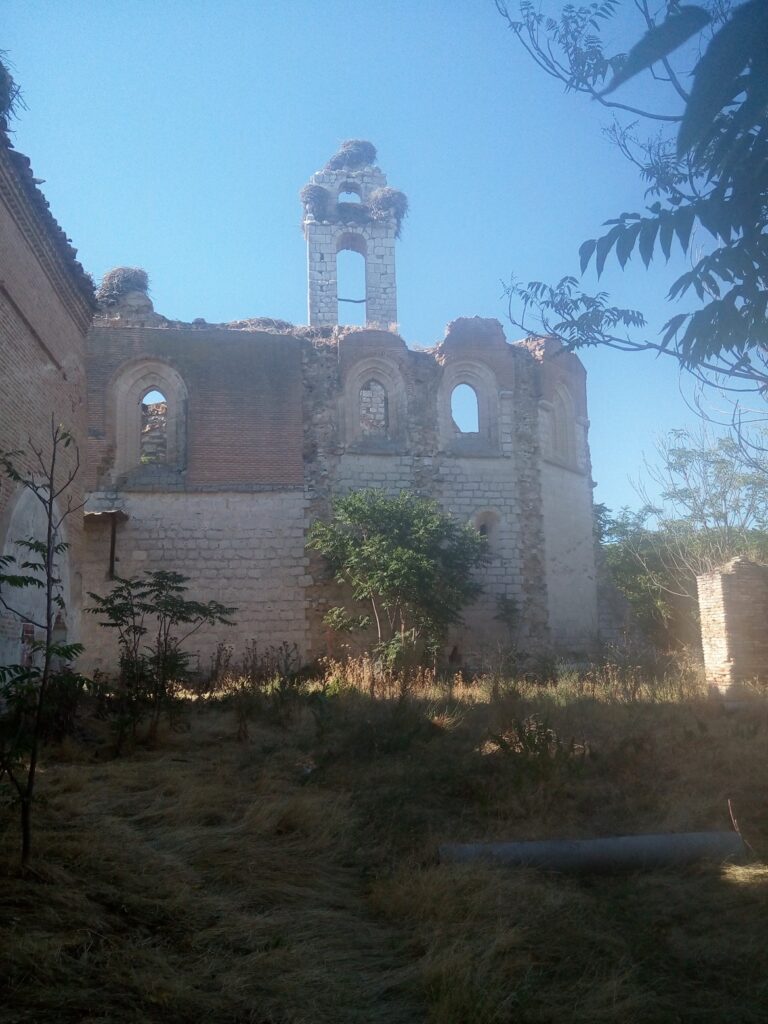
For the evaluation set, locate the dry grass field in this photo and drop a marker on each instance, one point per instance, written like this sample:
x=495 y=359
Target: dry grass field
x=290 y=876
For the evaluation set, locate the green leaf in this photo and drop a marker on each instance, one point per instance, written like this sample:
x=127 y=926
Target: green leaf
x=672 y=326
x=684 y=217
x=604 y=246
x=626 y=242
x=585 y=253
x=658 y=42
x=739 y=41
x=648 y=240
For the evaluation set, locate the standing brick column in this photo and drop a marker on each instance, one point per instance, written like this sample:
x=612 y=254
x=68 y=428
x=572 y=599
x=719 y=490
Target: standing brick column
x=733 y=607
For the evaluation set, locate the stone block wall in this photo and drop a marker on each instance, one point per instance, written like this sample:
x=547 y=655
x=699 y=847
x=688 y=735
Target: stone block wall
x=570 y=558
x=733 y=609
x=46 y=303
x=494 y=478
x=244 y=550
x=377 y=246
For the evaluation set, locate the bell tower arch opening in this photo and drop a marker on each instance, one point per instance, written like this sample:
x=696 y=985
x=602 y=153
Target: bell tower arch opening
x=349 y=209
x=351 y=280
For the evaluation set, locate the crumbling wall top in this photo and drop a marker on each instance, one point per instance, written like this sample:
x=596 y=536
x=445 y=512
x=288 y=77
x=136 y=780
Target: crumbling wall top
x=472 y=332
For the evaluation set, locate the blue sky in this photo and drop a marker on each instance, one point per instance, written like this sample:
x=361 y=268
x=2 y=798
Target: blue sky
x=176 y=135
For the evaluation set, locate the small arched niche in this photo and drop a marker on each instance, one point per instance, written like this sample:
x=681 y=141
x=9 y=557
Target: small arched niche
x=374 y=410
x=486 y=522
x=465 y=411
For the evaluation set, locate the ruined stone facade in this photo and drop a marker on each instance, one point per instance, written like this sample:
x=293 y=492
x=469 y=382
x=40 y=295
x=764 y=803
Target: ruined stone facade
x=214 y=447
x=733 y=607
x=211 y=448
x=46 y=304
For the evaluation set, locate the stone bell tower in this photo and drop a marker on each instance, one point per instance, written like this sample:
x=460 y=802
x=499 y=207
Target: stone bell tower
x=367 y=224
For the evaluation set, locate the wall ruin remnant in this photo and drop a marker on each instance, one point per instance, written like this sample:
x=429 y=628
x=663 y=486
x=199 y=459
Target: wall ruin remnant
x=266 y=422
x=46 y=304
x=733 y=608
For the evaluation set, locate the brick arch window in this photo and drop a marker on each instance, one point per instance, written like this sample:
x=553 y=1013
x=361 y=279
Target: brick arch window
x=468 y=405
x=150 y=414
x=153 y=442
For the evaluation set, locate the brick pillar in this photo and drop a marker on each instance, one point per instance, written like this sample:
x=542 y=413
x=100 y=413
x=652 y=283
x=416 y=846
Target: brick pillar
x=733 y=608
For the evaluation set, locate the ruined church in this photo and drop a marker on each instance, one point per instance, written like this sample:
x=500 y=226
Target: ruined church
x=210 y=448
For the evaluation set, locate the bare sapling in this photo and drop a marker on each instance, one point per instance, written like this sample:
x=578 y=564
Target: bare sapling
x=44 y=473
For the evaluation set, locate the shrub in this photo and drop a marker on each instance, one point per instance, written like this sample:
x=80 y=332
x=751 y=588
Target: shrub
x=152 y=607
x=405 y=560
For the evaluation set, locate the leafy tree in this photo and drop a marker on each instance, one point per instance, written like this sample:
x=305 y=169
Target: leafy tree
x=153 y=607
x=711 y=177
x=25 y=689
x=405 y=559
x=713 y=507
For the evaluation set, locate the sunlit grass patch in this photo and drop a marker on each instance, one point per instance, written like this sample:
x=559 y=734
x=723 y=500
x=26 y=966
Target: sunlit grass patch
x=290 y=875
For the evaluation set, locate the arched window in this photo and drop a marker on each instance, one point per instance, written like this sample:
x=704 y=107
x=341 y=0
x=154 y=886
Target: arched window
x=350 y=280
x=487 y=525
x=374 y=404
x=374 y=410
x=349 y=194
x=562 y=426
x=154 y=428
x=468 y=408
x=464 y=409
x=150 y=412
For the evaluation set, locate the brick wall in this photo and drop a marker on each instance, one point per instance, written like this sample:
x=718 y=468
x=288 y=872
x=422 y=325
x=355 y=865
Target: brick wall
x=244 y=426
x=45 y=308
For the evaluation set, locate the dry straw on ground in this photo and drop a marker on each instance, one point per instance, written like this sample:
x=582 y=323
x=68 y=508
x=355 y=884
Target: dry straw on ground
x=290 y=878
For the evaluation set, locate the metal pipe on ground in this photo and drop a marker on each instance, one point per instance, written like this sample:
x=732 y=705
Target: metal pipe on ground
x=616 y=853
